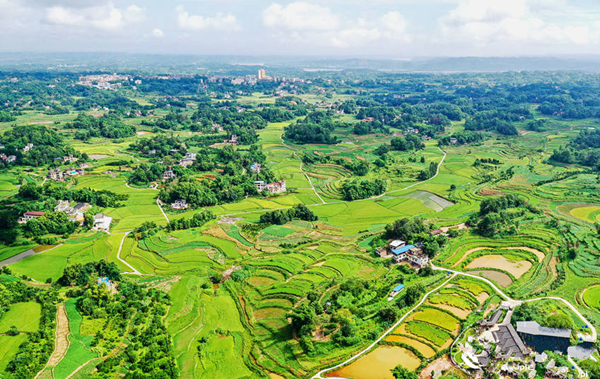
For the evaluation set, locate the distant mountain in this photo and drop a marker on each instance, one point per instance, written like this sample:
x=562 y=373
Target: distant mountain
x=242 y=65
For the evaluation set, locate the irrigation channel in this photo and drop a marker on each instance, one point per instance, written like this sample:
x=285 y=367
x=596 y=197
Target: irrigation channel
x=454 y=273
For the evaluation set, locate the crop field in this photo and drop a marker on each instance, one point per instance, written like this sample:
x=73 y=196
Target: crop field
x=253 y=299
x=80 y=346
x=9 y=346
x=25 y=316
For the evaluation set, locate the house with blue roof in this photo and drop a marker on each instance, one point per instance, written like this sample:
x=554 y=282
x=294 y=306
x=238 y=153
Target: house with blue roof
x=105 y=280
x=401 y=253
x=396 y=291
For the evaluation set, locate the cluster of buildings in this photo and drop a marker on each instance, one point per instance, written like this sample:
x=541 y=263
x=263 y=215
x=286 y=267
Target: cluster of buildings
x=59 y=175
x=103 y=81
x=275 y=187
x=188 y=160
x=8 y=158
x=75 y=212
x=515 y=352
x=401 y=252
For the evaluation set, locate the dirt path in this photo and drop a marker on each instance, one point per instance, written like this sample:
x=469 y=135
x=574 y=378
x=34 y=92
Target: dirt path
x=302 y=168
x=61 y=345
x=161 y=210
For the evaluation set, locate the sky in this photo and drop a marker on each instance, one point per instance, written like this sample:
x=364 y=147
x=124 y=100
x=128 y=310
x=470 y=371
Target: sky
x=398 y=29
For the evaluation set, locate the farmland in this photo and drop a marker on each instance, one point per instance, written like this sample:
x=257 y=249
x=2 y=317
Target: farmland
x=249 y=283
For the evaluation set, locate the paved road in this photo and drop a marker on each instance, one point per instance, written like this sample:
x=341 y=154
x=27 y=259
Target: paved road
x=19 y=257
x=134 y=270
x=514 y=302
x=320 y=373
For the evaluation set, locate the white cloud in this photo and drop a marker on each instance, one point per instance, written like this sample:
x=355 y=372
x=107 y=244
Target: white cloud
x=107 y=17
x=521 y=22
x=300 y=15
x=157 y=33
x=222 y=22
x=312 y=24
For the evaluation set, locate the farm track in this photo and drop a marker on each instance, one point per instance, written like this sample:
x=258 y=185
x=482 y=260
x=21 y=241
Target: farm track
x=301 y=168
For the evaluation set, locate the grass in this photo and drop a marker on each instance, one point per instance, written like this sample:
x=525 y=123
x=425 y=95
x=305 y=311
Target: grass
x=25 y=316
x=9 y=346
x=79 y=349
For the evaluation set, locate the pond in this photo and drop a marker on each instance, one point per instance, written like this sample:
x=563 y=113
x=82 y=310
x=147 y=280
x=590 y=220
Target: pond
x=516 y=269
x=378 y=364
x=499 y=277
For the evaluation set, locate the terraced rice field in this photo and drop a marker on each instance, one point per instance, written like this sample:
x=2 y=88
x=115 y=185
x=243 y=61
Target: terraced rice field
x=423 y=348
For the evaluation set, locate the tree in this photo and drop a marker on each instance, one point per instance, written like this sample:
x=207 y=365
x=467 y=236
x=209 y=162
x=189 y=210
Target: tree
x=400 y=372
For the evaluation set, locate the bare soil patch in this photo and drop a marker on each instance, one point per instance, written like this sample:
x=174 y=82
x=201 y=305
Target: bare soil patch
x=61 y=345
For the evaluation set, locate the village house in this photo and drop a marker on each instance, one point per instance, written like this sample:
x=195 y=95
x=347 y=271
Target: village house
x=395 y=244
x=69 y=158
x=418 y=258
x=191 y=156
x=2 y=146
x=151 y=152
x=186 y=162
x=453 y=141
x=412 y=130
x=255 y=167
x=169 y=175
x=11 y=158
x=260 y=185
x=102 y=222
x=396 y=291
x=30 y=216
x=74 y=172
x=541 y=338
x=277 y=187
x=28 y=147
x=179 y=204
x=233 y=140
x=56 y=174
x=62 y=206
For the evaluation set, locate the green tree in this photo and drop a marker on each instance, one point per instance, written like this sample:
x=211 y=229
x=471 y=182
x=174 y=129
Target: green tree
x=400 y=372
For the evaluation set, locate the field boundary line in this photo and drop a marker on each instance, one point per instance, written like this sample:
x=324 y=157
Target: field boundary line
x=392 y=328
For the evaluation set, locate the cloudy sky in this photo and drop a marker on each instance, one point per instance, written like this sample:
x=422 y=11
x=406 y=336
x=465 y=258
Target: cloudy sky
x=361 y=28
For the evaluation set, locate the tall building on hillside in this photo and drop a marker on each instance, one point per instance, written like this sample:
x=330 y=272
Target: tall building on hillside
x=262 y=74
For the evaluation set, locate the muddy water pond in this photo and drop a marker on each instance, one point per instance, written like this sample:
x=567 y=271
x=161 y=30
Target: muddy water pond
x=499 y=277
x=378 y=364
x=516 y=269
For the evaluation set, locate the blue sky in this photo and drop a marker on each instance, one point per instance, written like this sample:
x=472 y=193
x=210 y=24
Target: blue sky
x=349 y=28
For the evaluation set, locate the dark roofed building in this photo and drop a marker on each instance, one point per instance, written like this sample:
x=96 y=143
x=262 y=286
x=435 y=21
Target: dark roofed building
x=510 y=343
x=541 y=338
x=492 y=320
